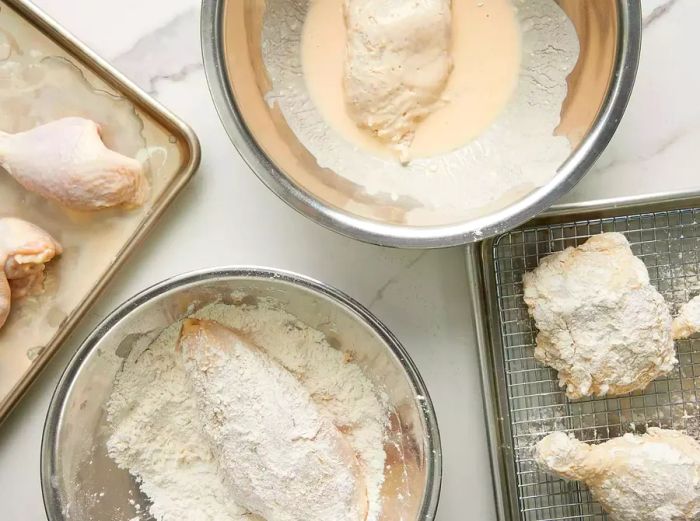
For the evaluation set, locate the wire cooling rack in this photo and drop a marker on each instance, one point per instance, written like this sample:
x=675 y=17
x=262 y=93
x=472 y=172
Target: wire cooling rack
x=669 y=244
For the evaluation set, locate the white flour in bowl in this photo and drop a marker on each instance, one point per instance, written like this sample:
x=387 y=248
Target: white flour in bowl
x=157 y=435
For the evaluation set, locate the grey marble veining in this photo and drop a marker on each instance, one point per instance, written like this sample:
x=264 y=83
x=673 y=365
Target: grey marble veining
x=164 y=55
x=658 y=12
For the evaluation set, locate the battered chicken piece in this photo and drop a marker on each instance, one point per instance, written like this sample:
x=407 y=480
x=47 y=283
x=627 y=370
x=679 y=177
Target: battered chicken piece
x=397 y=65
x=687 y=323
x=280 y=456
x=601 y=324
x=653 y=477
x=24 y=251
x=67 y=162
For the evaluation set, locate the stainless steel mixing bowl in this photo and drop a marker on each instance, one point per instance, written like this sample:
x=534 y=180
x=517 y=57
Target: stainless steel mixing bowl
x=79 y=480
x=599 y=88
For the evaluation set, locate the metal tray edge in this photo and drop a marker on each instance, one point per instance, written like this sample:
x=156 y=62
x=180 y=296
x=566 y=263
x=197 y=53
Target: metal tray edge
x=162 y=115
x=496 y=416
x=619 y=203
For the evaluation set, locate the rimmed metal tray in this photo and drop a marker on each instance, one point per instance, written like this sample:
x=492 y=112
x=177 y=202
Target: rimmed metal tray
x=45 y=73
x=523 y=400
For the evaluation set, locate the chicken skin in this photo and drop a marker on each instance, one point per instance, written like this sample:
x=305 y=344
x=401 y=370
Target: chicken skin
x=280 y=456
x=25 y=249
x=397 y=65
x=602 y=325
x=653 y=477
x=67 y=162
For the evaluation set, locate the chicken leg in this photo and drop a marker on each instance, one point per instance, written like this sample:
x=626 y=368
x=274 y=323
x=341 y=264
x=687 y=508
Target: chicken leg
x=653 y=477
x=24 y=251
x=67 y=162
x=280 y=456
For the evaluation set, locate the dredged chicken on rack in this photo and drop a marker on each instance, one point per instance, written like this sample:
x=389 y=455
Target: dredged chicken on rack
x=67 y=162
x=397 y=65
x=25 y=249
x=281 y=457
x=653 y=477
x=687 y=323
x=602 y=325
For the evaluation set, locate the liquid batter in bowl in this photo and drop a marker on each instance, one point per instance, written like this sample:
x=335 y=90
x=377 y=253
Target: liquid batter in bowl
x=486 y=56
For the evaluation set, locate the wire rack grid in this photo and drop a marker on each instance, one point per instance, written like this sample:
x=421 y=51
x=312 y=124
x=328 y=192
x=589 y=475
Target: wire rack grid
x=669 y=244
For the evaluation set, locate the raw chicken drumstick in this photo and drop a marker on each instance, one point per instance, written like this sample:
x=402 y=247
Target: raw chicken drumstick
x=24 y=251
x=280 y=456
x=601 y=324
x=653 y=477
x=397 y=65
x=67 y=162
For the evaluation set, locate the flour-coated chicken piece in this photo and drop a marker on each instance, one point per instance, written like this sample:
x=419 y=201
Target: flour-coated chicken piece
x=67 y=162
x=25 y=249
x=281 y=457
x=397 y=64
x=687 y=323
x=653 y=477
x=602 y=325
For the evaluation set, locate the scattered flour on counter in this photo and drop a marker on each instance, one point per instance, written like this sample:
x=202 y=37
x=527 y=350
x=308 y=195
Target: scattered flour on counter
x=157 y=433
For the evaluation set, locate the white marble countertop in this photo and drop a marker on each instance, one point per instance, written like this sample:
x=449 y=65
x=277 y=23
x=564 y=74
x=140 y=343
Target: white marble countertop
x=420 y=295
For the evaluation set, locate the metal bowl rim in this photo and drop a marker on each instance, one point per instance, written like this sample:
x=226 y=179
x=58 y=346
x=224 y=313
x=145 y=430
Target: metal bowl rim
x=367 y=230
x=54 y=415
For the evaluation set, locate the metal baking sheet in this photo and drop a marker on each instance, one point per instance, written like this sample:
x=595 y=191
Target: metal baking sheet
x=45 y=74
x=523 y=400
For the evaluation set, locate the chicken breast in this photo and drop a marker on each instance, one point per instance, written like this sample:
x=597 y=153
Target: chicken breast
x=67 y=162
x=397 y=65
x=687 y=323
x=280 y=456
x=602 y=325
x=25 y=250
x=653 y=477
